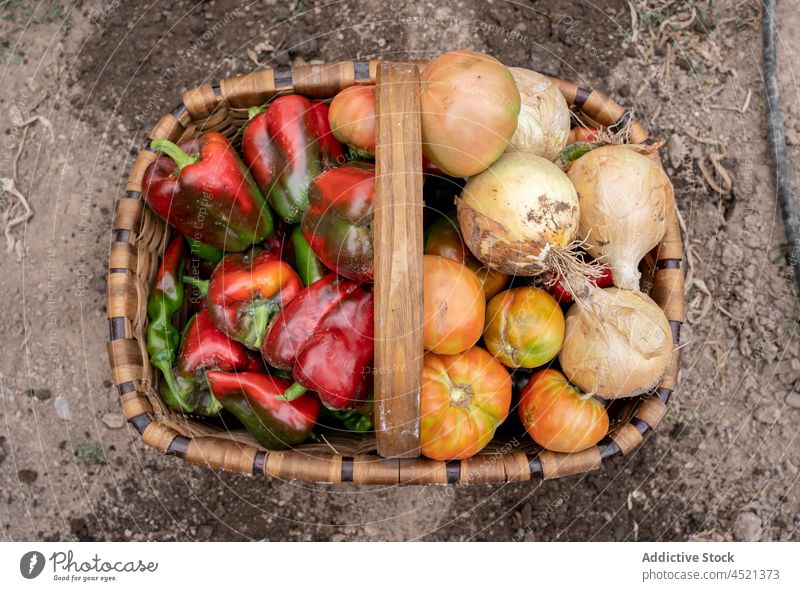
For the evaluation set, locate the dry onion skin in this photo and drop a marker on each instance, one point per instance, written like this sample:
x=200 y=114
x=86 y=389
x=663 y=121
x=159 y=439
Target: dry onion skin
x=544 y=119
x=617 y=343
x=625 y=199
x=519 y=216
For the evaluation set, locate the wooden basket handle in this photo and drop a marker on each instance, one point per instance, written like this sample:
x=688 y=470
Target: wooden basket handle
x=398 y=260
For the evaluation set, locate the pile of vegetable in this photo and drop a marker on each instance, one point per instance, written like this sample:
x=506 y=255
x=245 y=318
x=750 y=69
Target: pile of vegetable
x=535 y=230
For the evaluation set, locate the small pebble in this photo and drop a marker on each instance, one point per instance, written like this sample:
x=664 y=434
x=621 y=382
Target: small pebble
x=767 y=414
x=371 y=530
x=793 y=399
x=62 y=409
x=747 y=527
x=676 y=150
x=113 y=420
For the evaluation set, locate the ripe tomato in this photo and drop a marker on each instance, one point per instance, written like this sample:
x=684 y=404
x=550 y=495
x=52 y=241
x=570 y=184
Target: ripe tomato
x=524 y=327
x=464 y=399
x=352 y=117
x=454 y=306
x=558 y=416
x=444 y=238
x=469 y=107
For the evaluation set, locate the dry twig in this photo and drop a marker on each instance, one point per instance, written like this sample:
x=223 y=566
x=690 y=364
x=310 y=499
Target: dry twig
x=9 y=186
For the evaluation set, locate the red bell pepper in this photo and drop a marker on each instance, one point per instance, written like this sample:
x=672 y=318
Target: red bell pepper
x=288 y=145
x=338 y=223
x=255 y=399
x=327 y=334
x=294 y=326
x=246 y=290
x=205 y=348
x=208 y=195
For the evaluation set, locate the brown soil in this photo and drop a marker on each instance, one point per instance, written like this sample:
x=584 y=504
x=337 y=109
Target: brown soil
x=724 y=463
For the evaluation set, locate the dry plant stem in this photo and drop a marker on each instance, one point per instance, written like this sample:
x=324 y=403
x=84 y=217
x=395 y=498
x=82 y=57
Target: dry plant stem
x=9 y=185
x=333 y=449
x=742 y=110
x=727 y=182
x=634 y=23
x=716 y=161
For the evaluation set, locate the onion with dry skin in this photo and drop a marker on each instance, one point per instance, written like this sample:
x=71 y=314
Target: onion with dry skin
x=544 y=119
x=625 y=200
x=520 y=216
x=617 y=343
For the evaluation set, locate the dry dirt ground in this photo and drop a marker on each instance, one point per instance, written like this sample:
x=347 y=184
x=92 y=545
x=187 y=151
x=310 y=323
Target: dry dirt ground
x=724 y=463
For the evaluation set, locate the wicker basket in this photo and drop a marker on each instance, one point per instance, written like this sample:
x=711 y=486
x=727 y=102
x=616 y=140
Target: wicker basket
x=390 y=455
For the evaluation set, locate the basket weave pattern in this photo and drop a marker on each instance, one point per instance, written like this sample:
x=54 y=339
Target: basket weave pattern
x=140 y=237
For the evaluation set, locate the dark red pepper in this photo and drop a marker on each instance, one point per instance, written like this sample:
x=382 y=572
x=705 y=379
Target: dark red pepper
x=280 y=243
x=338 y=223
x=556 y=285
x=327 y=333
x=254 y=398
x=206 y=348
x=246 y=290
x=207 y=194
x=291 y=329
x=286 y=147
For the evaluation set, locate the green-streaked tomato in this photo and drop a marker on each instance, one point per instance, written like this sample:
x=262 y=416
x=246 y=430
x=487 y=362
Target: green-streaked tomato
x=558 y=416
x=524 y=327
x=464 y=399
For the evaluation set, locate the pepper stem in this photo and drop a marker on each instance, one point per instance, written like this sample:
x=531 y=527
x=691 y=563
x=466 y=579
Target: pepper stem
x=260 y=313
x=293 y=392
x=174 y=151
x=200 y=284
x=253 y=111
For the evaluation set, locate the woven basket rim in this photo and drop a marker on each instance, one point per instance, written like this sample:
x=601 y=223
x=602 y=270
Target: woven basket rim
x=139 y=237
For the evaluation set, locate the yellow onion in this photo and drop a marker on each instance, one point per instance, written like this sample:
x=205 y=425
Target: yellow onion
x=544 y=120
x=469 y=108
x=625 y=199
x=520 y=215
x=617 y=343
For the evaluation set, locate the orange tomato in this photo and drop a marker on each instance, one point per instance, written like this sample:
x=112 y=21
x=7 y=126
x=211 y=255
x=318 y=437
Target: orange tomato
x=454 y=306
x=444 y=239
x=524 y=327
x=352 y=117
x=469 y=107
x=558 y=416
x=464 y=399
